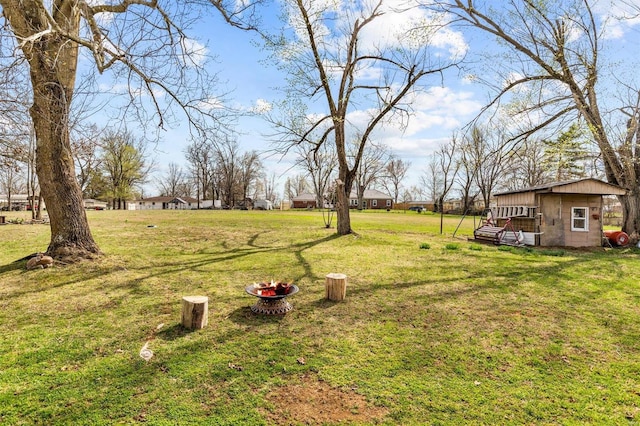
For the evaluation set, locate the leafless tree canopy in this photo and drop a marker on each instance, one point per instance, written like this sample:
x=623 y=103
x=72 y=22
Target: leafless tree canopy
x=329 y=57
x=143 y=45
x=394 y=174
x=551 y=69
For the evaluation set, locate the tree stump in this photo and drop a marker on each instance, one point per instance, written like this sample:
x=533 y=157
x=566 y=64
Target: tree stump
x=335 y=286
x=195 y=312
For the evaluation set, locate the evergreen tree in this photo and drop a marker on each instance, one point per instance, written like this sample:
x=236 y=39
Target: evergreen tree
x=564 y=156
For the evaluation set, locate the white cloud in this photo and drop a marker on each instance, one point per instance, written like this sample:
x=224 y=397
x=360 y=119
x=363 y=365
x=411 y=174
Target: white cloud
x=438 y=113
x=445 y=101
x=210 y=104
x=414 y=27
x=619 y=17
x=195 y=51
x=262 y=106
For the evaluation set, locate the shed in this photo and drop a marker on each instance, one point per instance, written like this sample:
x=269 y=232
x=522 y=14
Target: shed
x=566 y=214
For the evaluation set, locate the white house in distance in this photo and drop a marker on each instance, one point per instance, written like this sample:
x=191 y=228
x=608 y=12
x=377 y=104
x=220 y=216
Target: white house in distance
x=91 y=204
x=18 y=202
x=167 y=203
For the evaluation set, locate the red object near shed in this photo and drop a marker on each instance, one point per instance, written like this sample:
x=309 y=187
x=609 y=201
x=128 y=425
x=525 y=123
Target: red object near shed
x=618 y=238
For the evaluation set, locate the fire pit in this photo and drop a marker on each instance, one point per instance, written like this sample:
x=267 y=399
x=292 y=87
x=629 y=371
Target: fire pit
x=271 y=297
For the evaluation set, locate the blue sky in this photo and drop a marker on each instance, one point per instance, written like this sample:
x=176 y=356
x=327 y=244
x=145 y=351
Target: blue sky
x=446 y=107
x=442 y=110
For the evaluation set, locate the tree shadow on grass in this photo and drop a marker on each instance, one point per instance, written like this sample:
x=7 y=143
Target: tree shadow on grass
x=324 y=303
x=231 y=255
x=13 y=266
x=173 y=332
x=176 y=266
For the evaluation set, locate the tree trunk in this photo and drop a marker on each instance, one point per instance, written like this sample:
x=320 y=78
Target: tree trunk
x=39 y=209
x=53 y=60
x=71 y=238
x=631 y=213
x=361 y=189
x=342 y=208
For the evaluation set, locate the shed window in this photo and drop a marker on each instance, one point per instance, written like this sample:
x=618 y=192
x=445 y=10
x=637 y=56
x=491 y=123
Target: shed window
x=388 y=203
x=374 y=203
x=579 y=219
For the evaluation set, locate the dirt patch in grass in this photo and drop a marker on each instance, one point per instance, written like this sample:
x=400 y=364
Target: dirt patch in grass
x=312 y=401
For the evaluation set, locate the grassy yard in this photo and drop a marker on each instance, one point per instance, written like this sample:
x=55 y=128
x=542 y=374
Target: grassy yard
x=434 y=329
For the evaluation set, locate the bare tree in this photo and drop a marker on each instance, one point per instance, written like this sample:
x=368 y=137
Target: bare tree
x=249 y=172
x=521 y=168
x=48 y=37
x=227 y=160
x=201 y=158
x=431 y=180
x=326 y=58
x=373 y=160
x=441 y=173
x=269 y=186
x=295 y=186
x=555 y=50
x=394 y=173
x=85 y=154
x=490 y=152
x=416 y=192
x=320 y=163
x=174 y=182
x=15 y=96
x=11 y=180
x=466 y=178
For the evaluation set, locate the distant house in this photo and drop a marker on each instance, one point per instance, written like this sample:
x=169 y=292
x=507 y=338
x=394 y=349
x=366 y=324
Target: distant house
x=372 y=199
x=91 y=204
x=167 y=203
x=567 y=214
x=18 y=202
x=304 y=201
x=262 y=205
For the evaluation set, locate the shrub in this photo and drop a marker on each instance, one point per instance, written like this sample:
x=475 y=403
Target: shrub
x=475 y=247
x=425 y=246
x=452 y=246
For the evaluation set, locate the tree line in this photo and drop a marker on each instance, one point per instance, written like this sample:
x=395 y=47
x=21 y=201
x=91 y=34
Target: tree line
x=475 y=165
x=343 y=84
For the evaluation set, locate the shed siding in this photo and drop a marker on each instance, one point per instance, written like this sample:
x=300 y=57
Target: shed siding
x=588 y=186
x=555 y=222
x=517 y=199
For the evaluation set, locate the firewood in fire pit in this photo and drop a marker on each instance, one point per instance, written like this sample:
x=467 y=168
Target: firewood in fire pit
x=272 y=289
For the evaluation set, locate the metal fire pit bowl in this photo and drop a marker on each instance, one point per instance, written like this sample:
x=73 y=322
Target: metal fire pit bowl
x=271 y=305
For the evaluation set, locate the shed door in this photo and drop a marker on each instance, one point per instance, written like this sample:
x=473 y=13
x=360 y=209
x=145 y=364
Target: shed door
x=551 y=221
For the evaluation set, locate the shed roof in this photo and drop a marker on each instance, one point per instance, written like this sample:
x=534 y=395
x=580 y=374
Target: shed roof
x=580 y=186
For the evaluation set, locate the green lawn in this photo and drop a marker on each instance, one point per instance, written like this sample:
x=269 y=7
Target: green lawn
x=434 y=329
